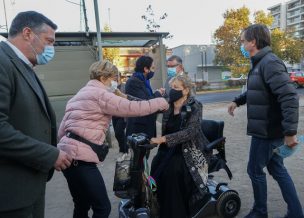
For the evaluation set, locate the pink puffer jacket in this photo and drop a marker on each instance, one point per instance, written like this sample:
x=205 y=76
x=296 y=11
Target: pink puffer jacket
x=89 y=113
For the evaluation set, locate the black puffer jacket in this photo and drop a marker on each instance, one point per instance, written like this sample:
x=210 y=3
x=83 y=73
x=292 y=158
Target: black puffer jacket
x=272 y=101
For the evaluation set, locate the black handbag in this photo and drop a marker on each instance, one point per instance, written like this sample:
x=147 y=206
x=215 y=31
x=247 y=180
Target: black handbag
x=122 y=177
x=100 y=150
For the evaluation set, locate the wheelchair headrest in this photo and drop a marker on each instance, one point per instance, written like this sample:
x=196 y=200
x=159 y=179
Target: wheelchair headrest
x=212 y=129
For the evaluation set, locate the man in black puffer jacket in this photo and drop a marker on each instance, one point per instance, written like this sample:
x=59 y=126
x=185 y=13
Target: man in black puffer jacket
x=272 y=112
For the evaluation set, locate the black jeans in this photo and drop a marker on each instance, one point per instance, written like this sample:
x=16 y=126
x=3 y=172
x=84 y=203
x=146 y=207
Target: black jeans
x=119 y=125
x=88 y=190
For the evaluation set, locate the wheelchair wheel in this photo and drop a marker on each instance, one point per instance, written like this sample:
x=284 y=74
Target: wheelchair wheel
x=228 y=205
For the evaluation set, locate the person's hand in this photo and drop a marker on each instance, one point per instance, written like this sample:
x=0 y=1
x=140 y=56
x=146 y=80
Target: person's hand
x=291 y=140
x=161 y=91
x=158 y=140
x=119 y=93
x=63 y=161
x=231 y=108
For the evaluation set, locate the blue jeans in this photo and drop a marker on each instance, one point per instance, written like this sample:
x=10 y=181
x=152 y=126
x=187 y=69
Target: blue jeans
x=88 y=190
x=261 y=155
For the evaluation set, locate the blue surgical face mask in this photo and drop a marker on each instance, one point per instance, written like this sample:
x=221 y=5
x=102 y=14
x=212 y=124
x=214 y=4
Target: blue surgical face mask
x=171 y=71
x=286 y=151
x=47 y=54
x=245 y=53
x=150 y=75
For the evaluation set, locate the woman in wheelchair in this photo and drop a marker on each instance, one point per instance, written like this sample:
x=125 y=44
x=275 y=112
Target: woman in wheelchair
x=180 y=166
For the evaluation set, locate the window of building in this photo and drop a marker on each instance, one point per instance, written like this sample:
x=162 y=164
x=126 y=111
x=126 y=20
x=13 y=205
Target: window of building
x=294 y=4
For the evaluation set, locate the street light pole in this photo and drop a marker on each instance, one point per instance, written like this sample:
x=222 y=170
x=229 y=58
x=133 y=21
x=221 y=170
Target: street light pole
x=5 y=16
x=202 y=57
x=206 y=70
x=98 y=30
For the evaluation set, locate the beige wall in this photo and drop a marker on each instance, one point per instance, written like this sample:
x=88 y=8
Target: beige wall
x=65 y=75
x=68 y=71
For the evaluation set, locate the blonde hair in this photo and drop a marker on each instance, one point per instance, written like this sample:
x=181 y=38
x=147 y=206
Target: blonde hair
x=104 y=69
x=186 y=82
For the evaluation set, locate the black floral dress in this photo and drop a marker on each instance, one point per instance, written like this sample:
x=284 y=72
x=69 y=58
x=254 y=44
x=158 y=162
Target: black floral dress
x=180 y=167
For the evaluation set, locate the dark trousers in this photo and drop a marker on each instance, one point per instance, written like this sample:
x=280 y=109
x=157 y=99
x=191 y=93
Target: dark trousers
x=261 y=156
x=88 y=190
x=35 y=210
x=119 y=125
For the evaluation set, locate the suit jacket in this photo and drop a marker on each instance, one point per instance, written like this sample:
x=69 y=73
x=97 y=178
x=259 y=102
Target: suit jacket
x=147 y=124
x=27 y=133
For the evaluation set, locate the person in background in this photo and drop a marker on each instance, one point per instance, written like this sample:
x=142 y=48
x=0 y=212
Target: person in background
x=82 y=133
x=119 y=123
x=273 y=114
x=174 y=68
x=28 y=153
x=139 y=86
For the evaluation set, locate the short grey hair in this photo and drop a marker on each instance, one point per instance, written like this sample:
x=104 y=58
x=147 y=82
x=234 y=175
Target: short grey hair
x=104 y=69
x=177 y=58
x=30 y=19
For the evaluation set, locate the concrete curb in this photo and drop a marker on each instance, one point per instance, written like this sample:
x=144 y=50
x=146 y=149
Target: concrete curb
x=216 y=91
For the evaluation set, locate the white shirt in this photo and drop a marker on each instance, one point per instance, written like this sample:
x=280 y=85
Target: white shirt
x=19 y=54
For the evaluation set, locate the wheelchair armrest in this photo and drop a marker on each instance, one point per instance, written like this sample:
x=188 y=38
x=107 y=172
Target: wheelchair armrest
x=213 y=144
x=148 y=146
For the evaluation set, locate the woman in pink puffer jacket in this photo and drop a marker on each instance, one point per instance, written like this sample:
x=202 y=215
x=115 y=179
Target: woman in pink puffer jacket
x=87 y=116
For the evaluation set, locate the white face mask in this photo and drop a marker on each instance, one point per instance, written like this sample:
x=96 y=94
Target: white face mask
x=113 y=86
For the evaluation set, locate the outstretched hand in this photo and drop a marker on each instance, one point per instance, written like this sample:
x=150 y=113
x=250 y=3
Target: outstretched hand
x=158 y=140
x=162 y=91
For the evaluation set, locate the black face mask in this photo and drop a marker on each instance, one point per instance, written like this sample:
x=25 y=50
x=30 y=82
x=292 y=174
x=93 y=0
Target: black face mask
x=174 y=95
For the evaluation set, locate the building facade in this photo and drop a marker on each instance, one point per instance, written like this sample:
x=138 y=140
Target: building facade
x=289 y=15
x=198 y=61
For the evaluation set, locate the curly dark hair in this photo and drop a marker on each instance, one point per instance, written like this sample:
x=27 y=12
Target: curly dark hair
x=142 y=62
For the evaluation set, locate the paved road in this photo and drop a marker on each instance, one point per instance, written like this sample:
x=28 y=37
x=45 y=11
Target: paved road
x=226 y=96
x=217 y=96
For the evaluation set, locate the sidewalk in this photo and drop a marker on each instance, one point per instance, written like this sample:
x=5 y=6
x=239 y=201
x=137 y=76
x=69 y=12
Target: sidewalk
x=59 y=203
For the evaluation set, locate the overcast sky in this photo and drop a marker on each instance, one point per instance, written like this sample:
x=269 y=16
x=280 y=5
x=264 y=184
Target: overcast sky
x=190 y=22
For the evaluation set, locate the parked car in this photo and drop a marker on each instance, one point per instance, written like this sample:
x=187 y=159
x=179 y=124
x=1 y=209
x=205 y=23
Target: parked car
x=237 y=81
x=297 y=78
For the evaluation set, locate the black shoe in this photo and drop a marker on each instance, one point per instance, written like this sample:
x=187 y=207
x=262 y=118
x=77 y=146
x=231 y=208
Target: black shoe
x=254 y=214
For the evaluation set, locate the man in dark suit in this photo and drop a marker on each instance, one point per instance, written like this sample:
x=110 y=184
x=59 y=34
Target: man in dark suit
x=27 y=121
